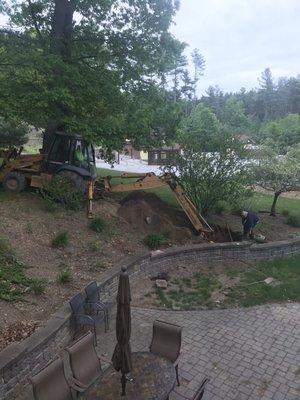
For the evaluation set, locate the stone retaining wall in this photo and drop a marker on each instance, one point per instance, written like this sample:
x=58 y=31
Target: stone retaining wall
x=21 y=360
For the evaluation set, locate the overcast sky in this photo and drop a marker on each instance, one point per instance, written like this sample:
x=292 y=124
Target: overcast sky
x=240 y=38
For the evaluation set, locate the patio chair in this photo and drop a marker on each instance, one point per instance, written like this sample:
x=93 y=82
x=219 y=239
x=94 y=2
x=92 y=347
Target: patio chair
x=200 y=392
x=84 y=361
x=95 y=303
x=166 y=341
x=81 y=319
x=51 y=383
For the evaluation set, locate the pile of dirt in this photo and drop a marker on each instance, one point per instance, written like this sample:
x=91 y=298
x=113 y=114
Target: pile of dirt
x=148 y=213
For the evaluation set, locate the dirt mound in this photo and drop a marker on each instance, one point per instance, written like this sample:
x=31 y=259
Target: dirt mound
x=149 y=213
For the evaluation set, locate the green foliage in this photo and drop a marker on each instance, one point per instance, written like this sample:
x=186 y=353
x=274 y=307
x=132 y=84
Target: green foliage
x=12 y=133
x=154 y=240
x=38 y=286
x=60 y=240
x=91 y=74
x=64 y=277
x=98 y=225
x=221 y=207
x=200 y=129
x=233 y=116
x=14 y=284
x=282 y=133
x=61 y=190
x=252 y=291
x=278 y=173
x=285 y=213
x=212 y=166
x=293 y=220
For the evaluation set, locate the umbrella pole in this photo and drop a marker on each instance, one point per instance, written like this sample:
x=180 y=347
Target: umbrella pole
x=123 y=383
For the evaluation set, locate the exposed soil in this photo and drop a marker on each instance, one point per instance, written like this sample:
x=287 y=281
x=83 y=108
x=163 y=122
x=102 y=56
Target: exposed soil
x=30 y=228
x=148 y=213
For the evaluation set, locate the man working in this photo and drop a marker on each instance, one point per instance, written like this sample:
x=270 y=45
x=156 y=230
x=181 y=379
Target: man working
x=249 y=221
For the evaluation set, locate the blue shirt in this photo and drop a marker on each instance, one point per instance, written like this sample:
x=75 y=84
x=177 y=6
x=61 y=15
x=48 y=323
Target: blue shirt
x=250 y=221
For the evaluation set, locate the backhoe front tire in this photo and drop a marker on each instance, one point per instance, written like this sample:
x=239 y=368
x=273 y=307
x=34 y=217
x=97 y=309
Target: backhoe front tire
x=14 y=182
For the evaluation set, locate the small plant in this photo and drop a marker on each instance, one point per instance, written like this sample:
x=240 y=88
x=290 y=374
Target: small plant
x=285 y=213
x=98 y=225
x=154 y=240
x=38 y=286
x=94 y=246
x=29 y=228
x=14 y=284
x=60 y=240
x=64 y=277
x=293 y=220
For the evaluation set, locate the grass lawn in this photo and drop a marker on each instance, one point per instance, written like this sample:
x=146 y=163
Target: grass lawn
x=244 y=287
x=259 y=202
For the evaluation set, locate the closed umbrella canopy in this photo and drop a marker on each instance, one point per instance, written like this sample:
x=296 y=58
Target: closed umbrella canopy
x=122 y=354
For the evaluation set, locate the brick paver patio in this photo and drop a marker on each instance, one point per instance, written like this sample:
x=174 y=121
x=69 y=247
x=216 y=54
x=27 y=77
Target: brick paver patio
x=248 y=354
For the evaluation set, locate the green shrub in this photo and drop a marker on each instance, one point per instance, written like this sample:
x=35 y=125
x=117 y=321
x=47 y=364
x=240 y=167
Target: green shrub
x=61 y=190
x=98 y=224
x=60 y=240
x=293 y=220
x=38 y=286
x=221 y=206
x=14 y=283
x=285 y=213
x=154 y=240
x=64 y=277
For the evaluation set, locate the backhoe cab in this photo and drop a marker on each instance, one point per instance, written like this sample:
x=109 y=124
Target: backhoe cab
x=70 y=156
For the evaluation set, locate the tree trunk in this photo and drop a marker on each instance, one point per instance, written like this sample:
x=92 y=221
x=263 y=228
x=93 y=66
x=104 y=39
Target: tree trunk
x=273 y=211
x=60 y=45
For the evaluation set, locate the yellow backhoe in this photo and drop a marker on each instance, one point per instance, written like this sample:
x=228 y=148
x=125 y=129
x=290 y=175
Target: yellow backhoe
x=73 y=158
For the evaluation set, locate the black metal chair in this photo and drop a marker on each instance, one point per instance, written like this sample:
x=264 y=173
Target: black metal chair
x=166 y=341
x=81 y=319
x=200 y=392
x=94 y=302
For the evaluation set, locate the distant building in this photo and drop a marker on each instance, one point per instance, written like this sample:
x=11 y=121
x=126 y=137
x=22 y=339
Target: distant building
x=247 y=141
x=163 y=155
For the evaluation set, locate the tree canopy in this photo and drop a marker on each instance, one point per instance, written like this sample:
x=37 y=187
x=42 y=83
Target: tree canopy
x=84 y=66
x=278 y=173
x=12 y=133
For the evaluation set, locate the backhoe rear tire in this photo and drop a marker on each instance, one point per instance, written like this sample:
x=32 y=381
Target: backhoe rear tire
x=14 y=182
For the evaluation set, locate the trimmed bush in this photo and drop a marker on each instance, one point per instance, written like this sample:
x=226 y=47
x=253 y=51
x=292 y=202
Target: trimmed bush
x=60 y=240
x=154 y=240
x=293 y=220
x=98 y=225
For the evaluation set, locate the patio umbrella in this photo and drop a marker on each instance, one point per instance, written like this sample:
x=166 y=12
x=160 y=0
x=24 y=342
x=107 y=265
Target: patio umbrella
x=122 y=354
